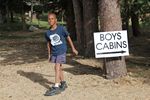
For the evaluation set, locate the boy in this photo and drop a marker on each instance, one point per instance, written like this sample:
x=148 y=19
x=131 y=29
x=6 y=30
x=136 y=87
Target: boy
x=57 y=48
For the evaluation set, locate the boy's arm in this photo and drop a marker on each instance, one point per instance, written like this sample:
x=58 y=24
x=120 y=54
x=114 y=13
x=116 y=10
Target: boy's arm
x=72 y=46
x=49 y=49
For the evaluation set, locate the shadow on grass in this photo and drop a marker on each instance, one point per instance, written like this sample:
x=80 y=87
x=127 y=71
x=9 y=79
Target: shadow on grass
x=22 y=47
x=82 y=69
x=139 y=51
x=36 y=78
x=138 y=63
x=12 y=27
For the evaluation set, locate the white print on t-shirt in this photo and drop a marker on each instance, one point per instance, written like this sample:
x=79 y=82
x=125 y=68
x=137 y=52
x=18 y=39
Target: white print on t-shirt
x=55 y=39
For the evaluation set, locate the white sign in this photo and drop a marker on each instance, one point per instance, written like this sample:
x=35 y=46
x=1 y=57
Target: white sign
x=111 y=44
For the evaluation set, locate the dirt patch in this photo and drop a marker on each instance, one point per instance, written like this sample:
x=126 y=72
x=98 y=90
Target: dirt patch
x=25 y=73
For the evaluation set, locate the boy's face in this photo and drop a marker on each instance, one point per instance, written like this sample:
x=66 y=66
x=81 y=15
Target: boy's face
x=52 y=19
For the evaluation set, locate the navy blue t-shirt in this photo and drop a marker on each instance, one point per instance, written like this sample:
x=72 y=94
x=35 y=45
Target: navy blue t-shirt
x=57 y=39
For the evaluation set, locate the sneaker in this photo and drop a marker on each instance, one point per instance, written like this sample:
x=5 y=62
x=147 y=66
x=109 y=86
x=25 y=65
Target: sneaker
x=53 y=91
x=63 y=85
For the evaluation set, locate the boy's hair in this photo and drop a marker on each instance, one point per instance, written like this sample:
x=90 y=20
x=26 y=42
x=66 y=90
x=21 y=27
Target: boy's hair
x=52 y=13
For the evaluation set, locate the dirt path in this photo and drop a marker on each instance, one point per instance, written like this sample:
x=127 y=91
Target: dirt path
x=25 y=74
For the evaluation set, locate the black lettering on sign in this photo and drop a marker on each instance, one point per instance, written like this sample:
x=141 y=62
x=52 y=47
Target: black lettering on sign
x=111 y=45
x=101 y=37
x=98 y=46
x=124 y=44
x=119 y=44
x=110 y=36
x=114 y=35
x=105 y=46
x=119 y=35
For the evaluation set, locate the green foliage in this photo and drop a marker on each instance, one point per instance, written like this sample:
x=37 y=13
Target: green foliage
x=137 y=6
x=140 y=7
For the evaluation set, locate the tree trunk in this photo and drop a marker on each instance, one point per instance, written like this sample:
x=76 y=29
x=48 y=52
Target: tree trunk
x=90 y=19
x=110 y=20
x=23 y=22
x=31 y=11
x=126 y=15
x=23 y=18
x=135 y=24
x=71 y=20
x=12 y=16
x=7 y=13
x=78 y=11
x=135 y=19
x=1 y=18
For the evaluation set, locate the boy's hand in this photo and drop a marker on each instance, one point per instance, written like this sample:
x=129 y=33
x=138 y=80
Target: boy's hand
x=75 y=51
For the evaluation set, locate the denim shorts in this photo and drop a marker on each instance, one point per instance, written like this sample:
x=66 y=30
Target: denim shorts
x=61 y=59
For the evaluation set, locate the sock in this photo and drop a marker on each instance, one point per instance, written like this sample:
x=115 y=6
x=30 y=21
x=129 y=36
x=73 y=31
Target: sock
x=57 y=84
x=62 y=82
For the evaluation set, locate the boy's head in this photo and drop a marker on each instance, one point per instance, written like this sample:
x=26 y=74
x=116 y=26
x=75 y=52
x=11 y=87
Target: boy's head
x=52 y=20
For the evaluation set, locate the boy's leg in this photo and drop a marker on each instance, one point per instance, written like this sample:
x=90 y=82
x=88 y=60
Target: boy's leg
x=59 y=77
x=63 y=83
x=56 y=89
x=61 y=73
x=57 y=74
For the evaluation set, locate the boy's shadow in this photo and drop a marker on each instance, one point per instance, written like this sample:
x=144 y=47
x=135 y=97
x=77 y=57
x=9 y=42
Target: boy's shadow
x=81 y=69
x=36 y=77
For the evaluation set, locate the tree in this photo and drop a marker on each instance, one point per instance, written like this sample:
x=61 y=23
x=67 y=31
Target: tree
x=136 y=10
x=135 y=19
x=90 y=25
x=78 y=11
x=125 y=14
x=110 y=20
x=4 y=11
x=86 y=23
x=70 y=18
x=9 y=7
x=23 y=16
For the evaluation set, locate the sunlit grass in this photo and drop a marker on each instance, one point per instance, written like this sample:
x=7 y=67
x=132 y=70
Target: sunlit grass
x=43 y=24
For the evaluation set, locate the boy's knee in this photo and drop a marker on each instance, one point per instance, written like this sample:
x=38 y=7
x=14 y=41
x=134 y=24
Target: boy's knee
x=57 y=67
